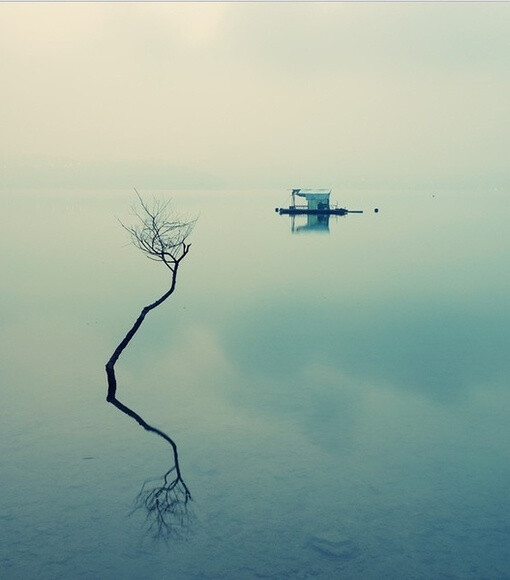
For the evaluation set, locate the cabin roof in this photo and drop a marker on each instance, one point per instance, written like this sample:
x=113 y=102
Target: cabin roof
x=313 y=191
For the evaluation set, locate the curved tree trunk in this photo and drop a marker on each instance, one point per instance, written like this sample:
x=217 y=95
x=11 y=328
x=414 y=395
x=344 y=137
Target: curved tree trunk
x=112 y=383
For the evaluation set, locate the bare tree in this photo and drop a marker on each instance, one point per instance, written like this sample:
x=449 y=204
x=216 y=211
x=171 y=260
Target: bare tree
x=161 y=236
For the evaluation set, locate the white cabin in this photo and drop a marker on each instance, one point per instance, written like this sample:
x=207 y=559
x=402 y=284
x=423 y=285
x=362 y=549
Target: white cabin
x=317 y=199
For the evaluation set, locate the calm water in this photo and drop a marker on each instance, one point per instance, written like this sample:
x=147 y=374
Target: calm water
x=340 y=399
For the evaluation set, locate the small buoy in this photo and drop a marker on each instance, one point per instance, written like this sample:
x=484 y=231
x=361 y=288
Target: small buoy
x=376 y=210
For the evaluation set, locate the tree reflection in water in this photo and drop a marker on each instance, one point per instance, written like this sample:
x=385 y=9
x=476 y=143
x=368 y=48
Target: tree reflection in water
x=166 y=506
x=161 y=237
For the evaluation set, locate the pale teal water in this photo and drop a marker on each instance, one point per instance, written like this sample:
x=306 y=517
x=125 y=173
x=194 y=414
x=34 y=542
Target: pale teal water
x=340 y=399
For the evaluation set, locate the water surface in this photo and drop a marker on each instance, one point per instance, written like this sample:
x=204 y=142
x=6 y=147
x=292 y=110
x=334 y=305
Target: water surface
x=339 y=394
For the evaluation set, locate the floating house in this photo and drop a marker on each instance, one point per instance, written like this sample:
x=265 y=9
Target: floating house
x=317 y=203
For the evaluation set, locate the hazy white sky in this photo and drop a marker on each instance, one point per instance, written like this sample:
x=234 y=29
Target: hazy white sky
x=255 y=94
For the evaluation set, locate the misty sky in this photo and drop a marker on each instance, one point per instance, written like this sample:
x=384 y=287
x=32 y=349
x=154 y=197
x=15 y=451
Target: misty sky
x=288 y=94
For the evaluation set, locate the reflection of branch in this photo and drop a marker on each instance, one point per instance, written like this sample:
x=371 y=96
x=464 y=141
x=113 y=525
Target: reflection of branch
x=165 y=240
x=166 y=505
x=178 y=477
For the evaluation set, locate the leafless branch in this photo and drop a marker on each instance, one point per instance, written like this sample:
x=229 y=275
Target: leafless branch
x=158 y=233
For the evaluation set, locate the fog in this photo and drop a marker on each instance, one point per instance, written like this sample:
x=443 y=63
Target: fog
x=255 y=94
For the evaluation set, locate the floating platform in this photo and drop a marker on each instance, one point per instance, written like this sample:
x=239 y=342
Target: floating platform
x=306 y=211
x=317 y=204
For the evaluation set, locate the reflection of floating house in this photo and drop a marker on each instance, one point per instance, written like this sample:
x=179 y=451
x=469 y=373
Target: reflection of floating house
x=315 y=222
x=317 y=203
